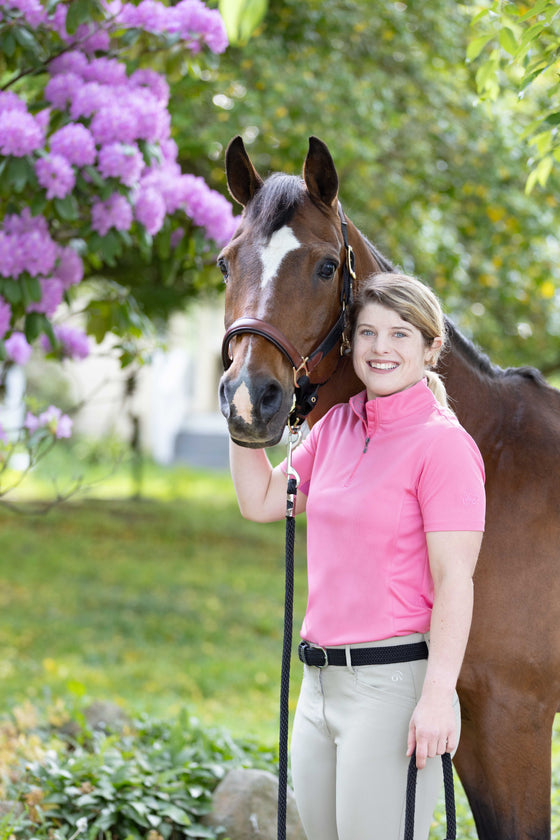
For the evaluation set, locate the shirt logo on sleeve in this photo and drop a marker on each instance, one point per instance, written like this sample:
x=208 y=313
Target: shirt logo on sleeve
x=470 y=499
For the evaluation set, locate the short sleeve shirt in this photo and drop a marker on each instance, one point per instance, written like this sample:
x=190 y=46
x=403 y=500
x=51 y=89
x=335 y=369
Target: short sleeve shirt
x=379 y=474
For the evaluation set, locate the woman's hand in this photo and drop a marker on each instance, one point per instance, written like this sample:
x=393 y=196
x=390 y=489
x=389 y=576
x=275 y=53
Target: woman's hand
x=433 y=729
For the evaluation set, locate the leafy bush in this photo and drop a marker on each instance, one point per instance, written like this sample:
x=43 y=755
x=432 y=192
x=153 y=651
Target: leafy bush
x=151 y=781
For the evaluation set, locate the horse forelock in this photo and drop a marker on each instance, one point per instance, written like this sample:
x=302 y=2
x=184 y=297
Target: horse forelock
x=275 y=203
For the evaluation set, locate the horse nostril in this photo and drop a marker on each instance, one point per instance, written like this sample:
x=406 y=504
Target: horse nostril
x=223 y=399
x=270 y=401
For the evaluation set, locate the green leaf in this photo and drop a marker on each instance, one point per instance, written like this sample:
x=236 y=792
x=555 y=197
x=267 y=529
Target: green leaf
x=11 y=291
x=7 y=43
x=476 y=46
x=507 y=40
x=537 y=9
x=78 y=12
x=241 y=18
x=67 y=208
x=486 y=77
x=553 y=119
x=31 y=288
x=27 y=40
x=18 y=173
x=37 y=204
x=34 y=325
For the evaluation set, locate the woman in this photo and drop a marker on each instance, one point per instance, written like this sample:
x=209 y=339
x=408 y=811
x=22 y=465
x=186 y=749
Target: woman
x=393 y=488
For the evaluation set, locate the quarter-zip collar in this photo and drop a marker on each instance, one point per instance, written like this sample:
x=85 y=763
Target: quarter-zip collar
x=395 y=410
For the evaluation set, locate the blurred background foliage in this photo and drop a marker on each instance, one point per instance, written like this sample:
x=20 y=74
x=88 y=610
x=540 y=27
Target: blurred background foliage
x=433 y=174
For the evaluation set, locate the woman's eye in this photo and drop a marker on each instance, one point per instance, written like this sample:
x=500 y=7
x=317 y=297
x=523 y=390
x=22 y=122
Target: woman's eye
x=223 y=266
x=328 y=269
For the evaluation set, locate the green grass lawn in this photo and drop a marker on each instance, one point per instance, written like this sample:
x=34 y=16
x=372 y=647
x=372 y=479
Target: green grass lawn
x=161 y=604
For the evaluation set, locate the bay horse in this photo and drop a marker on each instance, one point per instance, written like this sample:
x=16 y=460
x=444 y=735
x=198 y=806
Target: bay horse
x=286 y=268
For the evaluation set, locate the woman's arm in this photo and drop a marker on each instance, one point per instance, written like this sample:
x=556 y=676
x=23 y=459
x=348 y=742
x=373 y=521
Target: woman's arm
x=453 y=556
x=260 y=488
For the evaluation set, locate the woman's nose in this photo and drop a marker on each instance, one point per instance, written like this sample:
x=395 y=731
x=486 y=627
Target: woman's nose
x=380 y=345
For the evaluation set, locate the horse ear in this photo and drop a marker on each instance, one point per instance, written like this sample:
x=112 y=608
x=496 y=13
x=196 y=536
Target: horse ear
x=319 y=173
x=243 y=180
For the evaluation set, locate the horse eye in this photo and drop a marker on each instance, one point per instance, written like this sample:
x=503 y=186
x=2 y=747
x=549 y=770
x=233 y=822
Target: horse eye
x=328 y=269
x=223 y=266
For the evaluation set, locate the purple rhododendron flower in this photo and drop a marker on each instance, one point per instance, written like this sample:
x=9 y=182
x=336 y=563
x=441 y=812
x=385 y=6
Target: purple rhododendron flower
x=20 y=134
x=75 y=143
x=42 y=118
x=10 y=101
x=155 y=82
x=121 y=161
x=18 y=348
x=149 y=209
x=91 y=38
x=59 y=424
x=153 y=121
x=69 y=62
x=74 y=343
x=61 y=89
x=31 y=422
x=106 y=71
x=55 y=175
x=69 y=268
x=26 y=245
x=115 y=212
x=114 y=123
x=52 y=294
x=5 y=317
x=88 y=99
x=38 y=253
x=32 y=11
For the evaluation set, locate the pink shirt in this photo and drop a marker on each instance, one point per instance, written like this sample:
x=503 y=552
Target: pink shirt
x=378 y=475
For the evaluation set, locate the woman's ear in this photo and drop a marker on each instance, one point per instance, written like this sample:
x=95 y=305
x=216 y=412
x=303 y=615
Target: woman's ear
x=432 y=351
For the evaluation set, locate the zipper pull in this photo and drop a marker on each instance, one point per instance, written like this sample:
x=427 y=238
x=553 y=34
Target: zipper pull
x=366 y=445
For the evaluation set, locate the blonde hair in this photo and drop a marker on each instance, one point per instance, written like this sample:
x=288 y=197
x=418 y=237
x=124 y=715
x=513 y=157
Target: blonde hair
x=416 y=304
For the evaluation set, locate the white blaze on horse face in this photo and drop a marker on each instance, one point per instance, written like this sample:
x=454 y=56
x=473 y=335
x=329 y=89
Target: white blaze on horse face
x=242 y=403
x=280 y=244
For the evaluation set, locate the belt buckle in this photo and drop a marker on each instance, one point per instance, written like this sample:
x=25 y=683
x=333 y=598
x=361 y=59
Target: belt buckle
x=305 y=647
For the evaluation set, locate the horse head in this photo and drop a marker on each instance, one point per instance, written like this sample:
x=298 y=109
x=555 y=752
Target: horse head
x=286 y=274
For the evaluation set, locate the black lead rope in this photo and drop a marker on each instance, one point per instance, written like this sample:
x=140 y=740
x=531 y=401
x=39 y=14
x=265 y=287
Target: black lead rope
x=293 y=482
x=451 y=832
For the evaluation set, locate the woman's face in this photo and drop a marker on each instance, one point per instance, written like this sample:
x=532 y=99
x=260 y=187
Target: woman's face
x=389 y=354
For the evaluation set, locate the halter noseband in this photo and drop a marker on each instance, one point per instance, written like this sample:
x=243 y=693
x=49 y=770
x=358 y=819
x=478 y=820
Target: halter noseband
x=305 y=394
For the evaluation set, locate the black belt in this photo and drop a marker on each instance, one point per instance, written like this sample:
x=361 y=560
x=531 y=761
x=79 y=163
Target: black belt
x=387 y=655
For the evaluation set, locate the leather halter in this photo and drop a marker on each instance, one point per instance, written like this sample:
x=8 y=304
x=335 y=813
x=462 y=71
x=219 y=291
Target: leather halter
x=305 y=394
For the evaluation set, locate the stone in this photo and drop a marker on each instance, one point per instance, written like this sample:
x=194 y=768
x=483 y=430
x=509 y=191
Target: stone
x=245 y=804
x=102 y=714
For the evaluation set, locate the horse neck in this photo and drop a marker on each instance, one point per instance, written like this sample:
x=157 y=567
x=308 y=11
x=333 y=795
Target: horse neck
x=472 y=385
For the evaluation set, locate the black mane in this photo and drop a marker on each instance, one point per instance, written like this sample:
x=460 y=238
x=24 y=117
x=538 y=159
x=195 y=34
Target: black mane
x=483 y=364
x=275 y=203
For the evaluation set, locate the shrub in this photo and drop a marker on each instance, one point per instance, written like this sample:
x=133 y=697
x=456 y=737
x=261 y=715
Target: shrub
x=151 y=781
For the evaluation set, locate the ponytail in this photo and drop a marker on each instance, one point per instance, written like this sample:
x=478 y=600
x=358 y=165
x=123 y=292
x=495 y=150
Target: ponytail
x=436 y=386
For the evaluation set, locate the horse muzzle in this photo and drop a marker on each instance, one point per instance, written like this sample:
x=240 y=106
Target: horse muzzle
x=256 y=408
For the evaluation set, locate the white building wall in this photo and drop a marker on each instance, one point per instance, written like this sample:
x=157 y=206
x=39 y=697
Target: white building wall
x=176 y=397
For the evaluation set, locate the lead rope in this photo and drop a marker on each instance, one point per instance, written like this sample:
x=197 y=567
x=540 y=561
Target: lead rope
x=451 y=832
x=294 y=438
